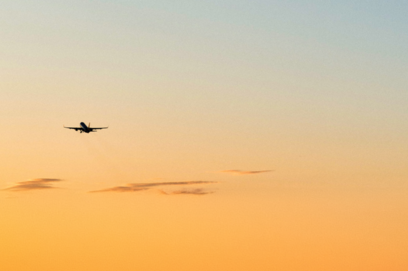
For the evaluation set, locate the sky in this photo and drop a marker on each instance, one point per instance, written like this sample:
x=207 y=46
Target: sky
x=263 y=135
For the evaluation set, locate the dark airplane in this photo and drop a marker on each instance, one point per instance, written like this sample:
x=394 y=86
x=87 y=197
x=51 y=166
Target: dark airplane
x=86 y=129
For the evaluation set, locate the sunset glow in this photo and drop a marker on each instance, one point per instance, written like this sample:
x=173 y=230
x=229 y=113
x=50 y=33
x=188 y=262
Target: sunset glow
x=243 y=135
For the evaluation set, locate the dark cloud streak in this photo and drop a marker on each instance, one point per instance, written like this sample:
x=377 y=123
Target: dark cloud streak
x=136 y=187
x=197 y=192
x=36 y=184
x=242 y=172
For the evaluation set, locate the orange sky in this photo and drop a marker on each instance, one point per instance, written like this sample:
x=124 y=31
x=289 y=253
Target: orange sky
x=242 y=135
x=280 y=228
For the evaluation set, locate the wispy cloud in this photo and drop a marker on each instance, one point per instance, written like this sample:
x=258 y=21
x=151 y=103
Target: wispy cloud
x=243 y=172
x=135 y=187
x=196 y=191
x=36 y=184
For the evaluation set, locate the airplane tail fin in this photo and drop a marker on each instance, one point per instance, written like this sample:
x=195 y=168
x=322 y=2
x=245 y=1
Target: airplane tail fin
x=89 y=125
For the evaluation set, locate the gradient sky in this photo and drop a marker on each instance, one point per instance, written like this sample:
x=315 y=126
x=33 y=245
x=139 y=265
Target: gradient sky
x=243 y=135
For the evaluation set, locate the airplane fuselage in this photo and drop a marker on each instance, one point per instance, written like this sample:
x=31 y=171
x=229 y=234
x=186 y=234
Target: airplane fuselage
x=85 y=128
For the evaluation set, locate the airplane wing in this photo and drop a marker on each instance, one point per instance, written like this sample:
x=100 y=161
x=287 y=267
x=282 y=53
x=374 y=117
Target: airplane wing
x=75 y=128
x=97 y=128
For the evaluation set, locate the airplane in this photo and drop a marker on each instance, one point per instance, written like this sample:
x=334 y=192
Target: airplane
x=86 y=129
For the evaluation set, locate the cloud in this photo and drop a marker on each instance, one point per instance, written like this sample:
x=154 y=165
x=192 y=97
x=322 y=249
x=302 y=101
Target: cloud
x=135 y=187
x=242 y=172
x=35 y=184
x=196 y=191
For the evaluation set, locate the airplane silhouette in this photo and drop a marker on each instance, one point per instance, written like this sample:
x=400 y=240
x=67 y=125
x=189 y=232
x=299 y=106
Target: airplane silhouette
x=86 y=129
